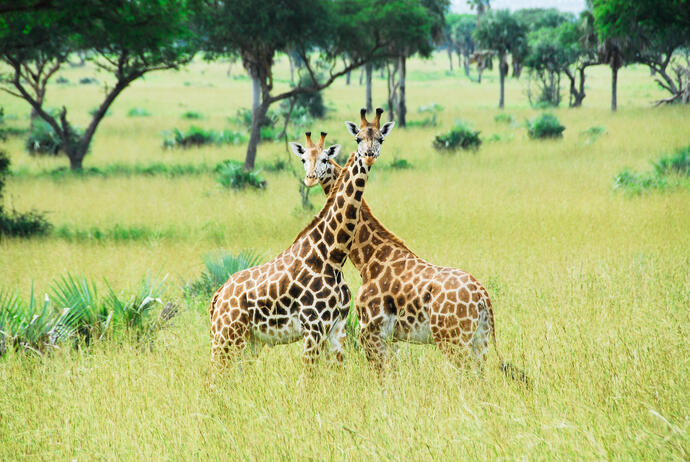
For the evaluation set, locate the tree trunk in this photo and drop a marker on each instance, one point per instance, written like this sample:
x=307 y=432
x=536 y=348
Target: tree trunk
x=402 y=108
x=466 y=65
x=614 y=87
x=347 y=78
x=361 y=76
x=256 y=94
x=368 y=70
x=255 y=135
x=450 y=58
x=292 y=71
x=502 y=72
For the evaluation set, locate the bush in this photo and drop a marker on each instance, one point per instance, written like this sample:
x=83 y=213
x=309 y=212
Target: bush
x=546 y=125
x=244 y=118
x=312 y=102
x=93 y=111
x=192 y=115
x=138 y=112
x=433 y=109
x=399 y=163
x=219 y=267
x=668 y=171
x=231 y=174
x=460 y=137
x=88 y=81
x=504 y=118
x=15 y=223
x=677 y=163
x=196 y=136
x=74 y=312
x=62 y=80
x=43 y=140
x=593 y=133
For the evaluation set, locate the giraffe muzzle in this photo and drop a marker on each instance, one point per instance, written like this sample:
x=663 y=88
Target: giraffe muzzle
x=310 y=181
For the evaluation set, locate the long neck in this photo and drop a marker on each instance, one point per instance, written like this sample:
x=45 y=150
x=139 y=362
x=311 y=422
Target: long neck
x=367 y=230
x=340 y=220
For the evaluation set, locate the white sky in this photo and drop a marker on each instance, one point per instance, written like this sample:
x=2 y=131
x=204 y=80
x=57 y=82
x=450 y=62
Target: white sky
x=572 y=6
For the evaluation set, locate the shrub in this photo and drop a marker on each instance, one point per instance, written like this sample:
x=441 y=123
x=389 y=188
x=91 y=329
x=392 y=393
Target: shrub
x=398 y=163
x=15 y=223
x=88 y=81
x=460 y=137
x=276 y=165
x=546 y=125
x=192 y=115
x=196 y=136
x=668 y=171
x=593 y=133
x=62 y=80
x=219 y=267
x=231 y=174
x=312 y=102
x=75 y=312
x=93 y=111
x=433 y=110
x=504 y=118
x=116 y=233
x=43 y=140
x=138 y=112
x=677 y=163
x=244 y=118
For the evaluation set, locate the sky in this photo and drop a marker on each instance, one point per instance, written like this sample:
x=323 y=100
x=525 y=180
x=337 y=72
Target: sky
x=572 y=6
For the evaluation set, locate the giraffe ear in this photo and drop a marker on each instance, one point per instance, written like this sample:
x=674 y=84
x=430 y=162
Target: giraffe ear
x=352 y=128
x=386 y=129
x=333 y=151
x=297 y=149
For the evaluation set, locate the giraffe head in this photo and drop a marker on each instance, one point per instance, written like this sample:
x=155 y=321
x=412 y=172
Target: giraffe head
x=316 y=159
x=369 y=135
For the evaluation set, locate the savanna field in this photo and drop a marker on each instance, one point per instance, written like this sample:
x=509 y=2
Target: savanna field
x=590 y=285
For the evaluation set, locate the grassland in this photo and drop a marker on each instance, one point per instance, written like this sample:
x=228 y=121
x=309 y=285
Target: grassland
x=591 y=287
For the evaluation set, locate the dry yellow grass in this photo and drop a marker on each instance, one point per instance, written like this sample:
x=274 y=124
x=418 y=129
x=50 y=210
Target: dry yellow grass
x=591 y=287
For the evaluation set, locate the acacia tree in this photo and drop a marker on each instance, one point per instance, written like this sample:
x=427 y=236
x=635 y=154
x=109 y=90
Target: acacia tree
x=461 y=34
x=659 y=28
x=126 y=39
x=501 y=33
x=586 y=43
x=256 y=31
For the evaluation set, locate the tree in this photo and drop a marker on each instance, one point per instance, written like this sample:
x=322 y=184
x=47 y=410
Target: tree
x=501 y=33
x=533 y=19
x=586 y=45
x=658 y=28
x=458 y=31
x=126 y=39
x=258 y=30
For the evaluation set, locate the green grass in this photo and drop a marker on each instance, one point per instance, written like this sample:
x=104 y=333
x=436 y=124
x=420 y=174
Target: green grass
x=590 y=287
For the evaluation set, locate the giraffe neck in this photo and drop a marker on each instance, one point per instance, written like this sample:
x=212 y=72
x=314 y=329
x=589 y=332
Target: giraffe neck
x=368 y=230
x=332 y=231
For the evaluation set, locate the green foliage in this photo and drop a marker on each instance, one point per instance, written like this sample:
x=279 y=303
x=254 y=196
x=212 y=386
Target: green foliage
x=243 y=117
x=120 y=170
x=461 y=136
x=88 y=81
x=75 y=313
x=503 y=118
x=398 y=163
x=219 y=267
x=192 y=115
x=138 y=112
x=311 y=102
x=677 y=163
x=118 y=233
x=545 y=125
x=276 y=165
x=93 y=111
x=18 y=224
x=62 y=80
x=593 y=133
x=500 y=31
x=196 y=136
x=669 y=171
x=231 y=174
x=43 y=140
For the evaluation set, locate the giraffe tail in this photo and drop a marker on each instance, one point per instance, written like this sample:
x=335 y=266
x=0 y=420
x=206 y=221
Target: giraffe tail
x=506 y=367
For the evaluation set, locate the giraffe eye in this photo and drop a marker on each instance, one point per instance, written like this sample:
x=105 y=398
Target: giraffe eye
x=325 y=161
x=303 y=161
x=380 y=140
x=358 y=140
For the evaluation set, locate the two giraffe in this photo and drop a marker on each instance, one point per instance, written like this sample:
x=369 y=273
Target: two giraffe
x=302 y=293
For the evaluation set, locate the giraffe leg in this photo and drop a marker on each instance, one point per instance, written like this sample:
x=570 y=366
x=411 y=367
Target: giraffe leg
x=373 y=344
x=336 y=340
x=480 y=339
x=313 y=347
x=229 y=342
x=452 y=342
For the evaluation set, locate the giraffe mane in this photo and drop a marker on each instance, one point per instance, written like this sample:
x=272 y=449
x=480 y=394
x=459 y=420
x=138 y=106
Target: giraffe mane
x=329 y=200
x=373 y=221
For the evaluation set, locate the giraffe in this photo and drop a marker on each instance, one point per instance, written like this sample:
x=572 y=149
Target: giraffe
x=301 y=293
x=403 y=297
